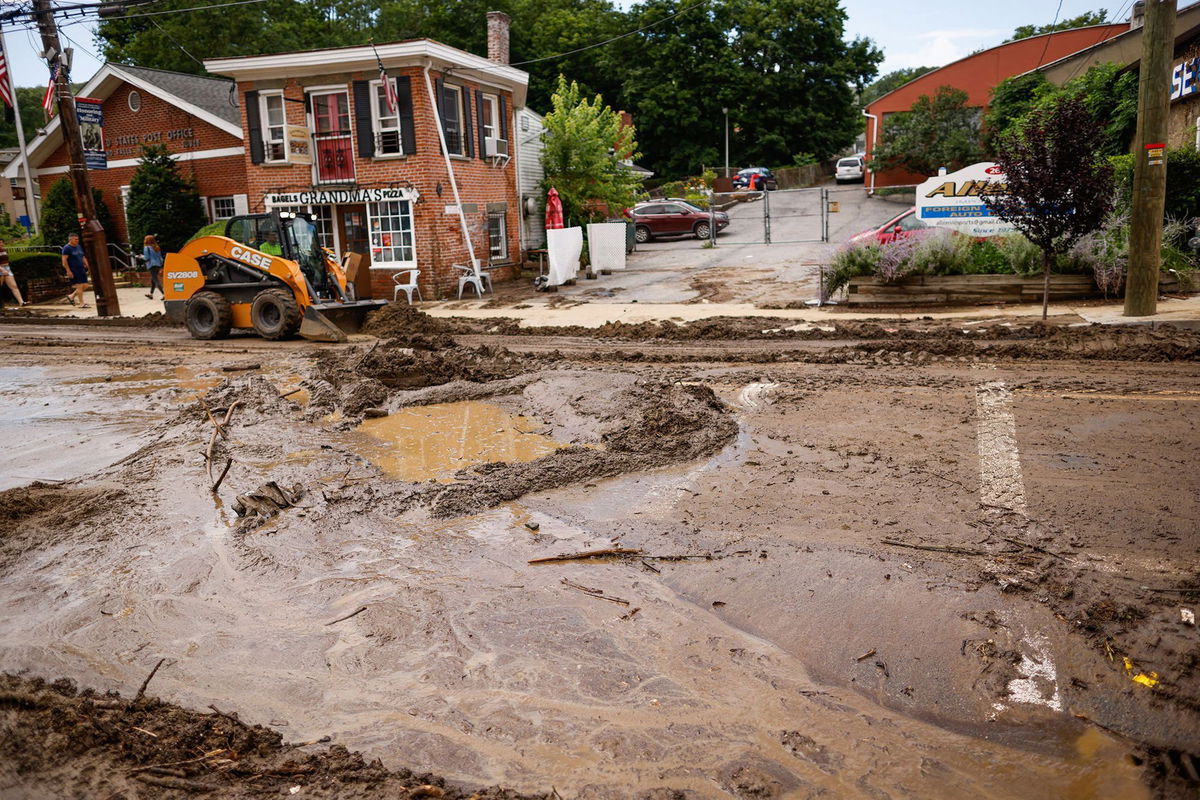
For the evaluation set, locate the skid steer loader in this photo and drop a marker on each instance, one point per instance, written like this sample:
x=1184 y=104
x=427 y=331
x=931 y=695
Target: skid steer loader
x=268 y=272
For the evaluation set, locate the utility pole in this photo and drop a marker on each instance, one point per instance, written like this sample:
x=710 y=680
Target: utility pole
x=1150 y=167
x=95 y=243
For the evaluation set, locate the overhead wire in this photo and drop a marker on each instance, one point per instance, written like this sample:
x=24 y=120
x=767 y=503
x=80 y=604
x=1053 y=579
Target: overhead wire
x=1046 y=48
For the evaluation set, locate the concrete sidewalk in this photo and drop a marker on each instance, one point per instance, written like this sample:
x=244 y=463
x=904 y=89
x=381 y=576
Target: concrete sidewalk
x=551 y=309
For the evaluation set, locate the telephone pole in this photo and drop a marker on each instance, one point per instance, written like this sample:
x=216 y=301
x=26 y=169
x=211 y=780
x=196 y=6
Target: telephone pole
x=95 y=243
x=1150 y=167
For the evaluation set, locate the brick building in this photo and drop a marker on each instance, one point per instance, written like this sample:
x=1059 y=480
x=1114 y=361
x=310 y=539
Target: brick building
x=427 y=187
x=196 y=118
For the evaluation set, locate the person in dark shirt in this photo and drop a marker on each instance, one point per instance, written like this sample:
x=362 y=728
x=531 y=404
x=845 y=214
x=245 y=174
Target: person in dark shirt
x=75 y=264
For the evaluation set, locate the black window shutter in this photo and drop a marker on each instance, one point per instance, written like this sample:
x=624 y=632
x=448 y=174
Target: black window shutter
x=503 y=119
x=479 y=112
x=468 y=139
x=254 y=128
x=362 y=119
x=408 y=132
x=440 y=90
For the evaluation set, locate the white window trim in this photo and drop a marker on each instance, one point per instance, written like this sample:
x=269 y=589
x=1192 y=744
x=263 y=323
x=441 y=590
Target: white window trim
x=394 y=266
x=462 y=138
x=493 y=101
x=212 y=207
x=314 y=92
x=376 y=128
x=264 y=124
x=503 y=257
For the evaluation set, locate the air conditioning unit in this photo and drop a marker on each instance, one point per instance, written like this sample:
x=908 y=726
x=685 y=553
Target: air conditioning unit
x=494 y=148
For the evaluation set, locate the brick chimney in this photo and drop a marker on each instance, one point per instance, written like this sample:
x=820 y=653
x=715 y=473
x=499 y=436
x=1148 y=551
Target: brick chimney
x=498 y=24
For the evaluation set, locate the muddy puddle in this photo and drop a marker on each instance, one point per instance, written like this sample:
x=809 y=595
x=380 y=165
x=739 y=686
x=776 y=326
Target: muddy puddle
x=714 y=663
x=432 y=442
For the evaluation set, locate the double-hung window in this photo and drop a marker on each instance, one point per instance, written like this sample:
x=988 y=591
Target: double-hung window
x=391 y=234
x=452 y=119
x=387 y=123
x=274 y=122
x=497 y=237
x=489 y=117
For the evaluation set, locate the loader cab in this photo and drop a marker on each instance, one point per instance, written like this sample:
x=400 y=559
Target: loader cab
x=288 y=235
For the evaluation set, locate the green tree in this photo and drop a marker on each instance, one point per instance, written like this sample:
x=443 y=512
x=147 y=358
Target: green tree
x=890 y=82
x=585 y=145
x=161 y=201
x=1082 y=21
x=1058 y=185
x=939 y=131
x=1108 y=91
x=59 y=218
x=32 y=117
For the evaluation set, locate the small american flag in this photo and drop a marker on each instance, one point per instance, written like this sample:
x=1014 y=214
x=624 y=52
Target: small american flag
x=5 y=86
x=49 y=98
x=389 y=90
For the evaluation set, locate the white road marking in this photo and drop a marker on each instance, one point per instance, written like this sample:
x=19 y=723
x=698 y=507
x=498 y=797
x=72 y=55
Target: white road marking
x=1000 y=481
x=1039 y=677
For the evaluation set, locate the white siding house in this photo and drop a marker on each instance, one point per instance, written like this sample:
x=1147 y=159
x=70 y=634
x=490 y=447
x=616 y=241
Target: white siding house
x=529 y=179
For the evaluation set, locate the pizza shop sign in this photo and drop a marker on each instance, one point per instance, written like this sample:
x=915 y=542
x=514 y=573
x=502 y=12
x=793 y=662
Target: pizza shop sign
x=952 y=200
x=322 y=197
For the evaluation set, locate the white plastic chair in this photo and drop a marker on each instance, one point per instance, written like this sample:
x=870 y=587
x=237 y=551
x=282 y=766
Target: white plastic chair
x=408 y=287
x=473 y=276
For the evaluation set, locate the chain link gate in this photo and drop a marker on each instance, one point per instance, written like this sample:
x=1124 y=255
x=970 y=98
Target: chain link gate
x=784 y=216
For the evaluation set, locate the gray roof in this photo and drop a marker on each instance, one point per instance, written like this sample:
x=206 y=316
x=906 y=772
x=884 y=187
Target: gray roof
x=210 y=94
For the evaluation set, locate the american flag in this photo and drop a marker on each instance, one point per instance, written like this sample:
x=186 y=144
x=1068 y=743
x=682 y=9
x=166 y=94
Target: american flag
x=5 y=86
x=389 y=90
x=49 y=98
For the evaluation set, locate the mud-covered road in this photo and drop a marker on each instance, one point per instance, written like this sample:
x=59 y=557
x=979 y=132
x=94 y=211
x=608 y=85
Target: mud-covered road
x=888 y=560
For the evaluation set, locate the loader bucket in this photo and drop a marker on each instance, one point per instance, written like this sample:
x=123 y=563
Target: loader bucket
x=331 y=322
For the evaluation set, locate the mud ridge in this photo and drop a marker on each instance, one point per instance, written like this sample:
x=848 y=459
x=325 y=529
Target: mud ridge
x=58 y=742
x=41 y=514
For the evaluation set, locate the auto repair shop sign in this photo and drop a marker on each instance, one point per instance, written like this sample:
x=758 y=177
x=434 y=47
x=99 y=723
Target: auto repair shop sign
x=952 y=200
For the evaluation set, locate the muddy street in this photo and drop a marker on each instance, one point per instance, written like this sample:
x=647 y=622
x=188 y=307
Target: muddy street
x=731 y=559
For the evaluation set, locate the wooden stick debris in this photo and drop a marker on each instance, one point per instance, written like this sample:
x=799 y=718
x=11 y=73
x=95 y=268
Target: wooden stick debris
x=231 y=717
x=1019 y=543
x=866 y=655
x=292 y=392
x=348 y=616
x=611 y=551
x=210 y=754
x=630 y=614
x=212 y=419
x=597 y=593
x=142 y=691
x=224 y=472
x=934 y=547
x=168 y=782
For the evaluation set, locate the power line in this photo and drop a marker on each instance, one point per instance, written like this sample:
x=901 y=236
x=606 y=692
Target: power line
x=1046 y=48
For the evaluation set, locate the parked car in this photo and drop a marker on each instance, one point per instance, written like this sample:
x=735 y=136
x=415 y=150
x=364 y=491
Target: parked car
x=673 y=218
x=766 y=179
x=850 y=169
x=904 y=224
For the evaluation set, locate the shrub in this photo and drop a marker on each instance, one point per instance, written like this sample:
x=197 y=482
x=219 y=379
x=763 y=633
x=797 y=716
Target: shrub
x=1022 y=255
x=212 y=229
x=985 y=258
x=59 y=219
x=850 y=261
x=938 y=255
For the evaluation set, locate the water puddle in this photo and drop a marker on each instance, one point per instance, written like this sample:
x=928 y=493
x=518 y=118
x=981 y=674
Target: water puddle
x=435 y=441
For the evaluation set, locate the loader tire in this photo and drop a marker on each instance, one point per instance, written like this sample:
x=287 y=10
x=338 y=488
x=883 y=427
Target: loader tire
x=275 y=314
x=208 y=316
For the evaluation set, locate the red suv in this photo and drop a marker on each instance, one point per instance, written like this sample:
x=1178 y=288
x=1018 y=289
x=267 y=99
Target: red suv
x=673 y=218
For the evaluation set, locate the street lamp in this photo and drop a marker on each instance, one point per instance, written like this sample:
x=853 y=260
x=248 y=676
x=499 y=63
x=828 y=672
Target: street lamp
x=725 y=111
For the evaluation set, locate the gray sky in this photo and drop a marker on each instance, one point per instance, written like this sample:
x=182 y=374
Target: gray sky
x=911 y=32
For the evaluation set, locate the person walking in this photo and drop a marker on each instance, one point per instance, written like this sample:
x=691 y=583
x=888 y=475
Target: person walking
x=6 y=275
x=152 y=253
x=75 y=264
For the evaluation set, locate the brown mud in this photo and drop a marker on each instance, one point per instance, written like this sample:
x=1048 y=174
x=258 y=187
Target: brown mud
x=58 y=742
x=816 y=595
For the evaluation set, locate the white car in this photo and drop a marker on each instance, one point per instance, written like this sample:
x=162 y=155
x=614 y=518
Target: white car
x=850 y=169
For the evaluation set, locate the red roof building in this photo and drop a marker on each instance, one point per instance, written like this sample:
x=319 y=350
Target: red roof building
x=977 y=75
